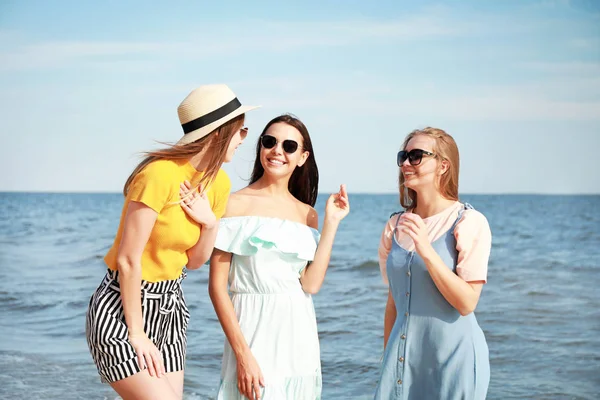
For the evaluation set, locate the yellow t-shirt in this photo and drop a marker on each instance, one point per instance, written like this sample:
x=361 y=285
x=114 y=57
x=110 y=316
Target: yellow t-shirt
x=157 y=186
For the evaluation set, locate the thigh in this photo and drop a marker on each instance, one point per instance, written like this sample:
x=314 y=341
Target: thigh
x=176 y=381
x=142 y=386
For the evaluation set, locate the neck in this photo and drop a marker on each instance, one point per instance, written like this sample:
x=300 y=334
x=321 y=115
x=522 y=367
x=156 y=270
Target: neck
x=199 y=161
x=430 y=203
x=273 y=186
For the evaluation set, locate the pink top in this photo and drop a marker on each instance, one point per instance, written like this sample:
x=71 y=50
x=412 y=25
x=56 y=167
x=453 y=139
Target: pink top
x=473 y=240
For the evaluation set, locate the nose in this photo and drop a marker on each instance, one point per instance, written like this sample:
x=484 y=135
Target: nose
x=278 y=148
x=406 y=163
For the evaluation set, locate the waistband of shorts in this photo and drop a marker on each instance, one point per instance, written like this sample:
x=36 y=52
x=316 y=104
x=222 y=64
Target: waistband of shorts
x=112 y=279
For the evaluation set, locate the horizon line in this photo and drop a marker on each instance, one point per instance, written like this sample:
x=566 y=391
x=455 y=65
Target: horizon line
x=324 y=193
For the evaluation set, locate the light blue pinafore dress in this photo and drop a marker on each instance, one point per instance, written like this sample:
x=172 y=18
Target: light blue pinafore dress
x=433 y=352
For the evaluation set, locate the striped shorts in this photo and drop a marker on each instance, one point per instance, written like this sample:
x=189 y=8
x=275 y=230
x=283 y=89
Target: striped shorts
x=165 y=317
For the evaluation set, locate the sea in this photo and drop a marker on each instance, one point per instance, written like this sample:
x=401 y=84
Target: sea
x=540 y=310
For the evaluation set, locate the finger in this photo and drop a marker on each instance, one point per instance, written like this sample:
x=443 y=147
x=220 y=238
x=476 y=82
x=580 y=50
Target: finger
x=412 y=216
x=150 y=364
x=256 y=388
x=343 y=191
x=140 y=358
x=407 y=222
x=241 y=387
x=261 y=380
x=187 y=184
x=158 y=360
x=250 y=388
x=410 y=233
x=410 y=225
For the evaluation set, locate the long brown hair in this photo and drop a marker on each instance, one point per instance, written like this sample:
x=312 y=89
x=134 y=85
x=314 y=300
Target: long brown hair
x=304 y=183
x=445 y=148
x=216 y=152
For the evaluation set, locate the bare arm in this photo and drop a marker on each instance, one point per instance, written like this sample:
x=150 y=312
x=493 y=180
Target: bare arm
x=138 y=225
x=249 y=374
x=389 y=318
x=462 y=295
x=337 y=208
x=202 y=250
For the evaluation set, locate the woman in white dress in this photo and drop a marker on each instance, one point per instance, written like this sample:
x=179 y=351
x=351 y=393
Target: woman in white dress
x=266 y=252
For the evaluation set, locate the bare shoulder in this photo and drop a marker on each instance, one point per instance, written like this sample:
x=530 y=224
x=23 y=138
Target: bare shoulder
x=237 y=204
x=311 y=216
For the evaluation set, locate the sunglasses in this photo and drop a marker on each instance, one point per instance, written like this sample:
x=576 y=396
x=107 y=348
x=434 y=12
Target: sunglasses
x=289 y=146
x=414 y=157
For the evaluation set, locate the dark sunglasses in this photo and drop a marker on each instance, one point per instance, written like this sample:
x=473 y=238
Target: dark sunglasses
x=268 y=142
x=415 y=156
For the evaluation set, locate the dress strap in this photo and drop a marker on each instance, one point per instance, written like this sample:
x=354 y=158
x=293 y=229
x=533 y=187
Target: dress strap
x=466 y=206
x=398 y=213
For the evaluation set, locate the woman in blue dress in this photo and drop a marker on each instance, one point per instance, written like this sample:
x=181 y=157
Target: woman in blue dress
x=434 y=256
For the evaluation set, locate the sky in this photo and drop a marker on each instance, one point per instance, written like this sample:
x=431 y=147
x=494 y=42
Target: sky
x=85 y=87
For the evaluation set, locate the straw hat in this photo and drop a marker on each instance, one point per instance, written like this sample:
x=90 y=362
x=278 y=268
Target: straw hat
x=205 y=109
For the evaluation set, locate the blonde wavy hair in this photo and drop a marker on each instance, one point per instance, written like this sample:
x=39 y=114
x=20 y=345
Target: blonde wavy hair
x=445 y=149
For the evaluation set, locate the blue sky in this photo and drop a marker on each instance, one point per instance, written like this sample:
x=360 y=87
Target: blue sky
x=85 y=86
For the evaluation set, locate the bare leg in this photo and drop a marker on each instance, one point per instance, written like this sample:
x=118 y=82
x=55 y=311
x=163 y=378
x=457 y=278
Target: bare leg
x=176 y=381
x=142 y=386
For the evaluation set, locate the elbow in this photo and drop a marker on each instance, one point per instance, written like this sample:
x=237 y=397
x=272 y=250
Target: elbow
x=197 y=260
x=216 y=292
x=191 y=265
x=126 y=264
x=311 y=289
x=466 y=309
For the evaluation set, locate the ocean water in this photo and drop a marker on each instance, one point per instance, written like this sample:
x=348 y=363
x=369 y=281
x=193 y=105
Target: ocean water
x=540 y=310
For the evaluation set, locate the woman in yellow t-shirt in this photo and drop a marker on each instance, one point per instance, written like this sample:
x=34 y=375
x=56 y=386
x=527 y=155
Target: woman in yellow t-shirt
x=137 y=318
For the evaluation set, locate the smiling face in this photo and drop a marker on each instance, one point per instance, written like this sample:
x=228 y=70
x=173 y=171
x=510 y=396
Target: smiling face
x=276 y=155
x=437 y=170
x=426 y=173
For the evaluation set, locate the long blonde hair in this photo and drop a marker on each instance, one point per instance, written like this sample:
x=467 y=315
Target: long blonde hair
x=444 y=149
x=216 y=152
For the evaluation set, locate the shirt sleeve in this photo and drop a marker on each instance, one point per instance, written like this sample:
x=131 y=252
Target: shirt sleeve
x=474 y=244
x=385 y=246
x=151 y=186
x=222 y=188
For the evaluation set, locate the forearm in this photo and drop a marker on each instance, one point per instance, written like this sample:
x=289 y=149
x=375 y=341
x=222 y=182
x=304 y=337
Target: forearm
x=130 y=278
x=228 y=319
x=199 y=254
x=455 y=290
x=314 y=273
x=389 y=319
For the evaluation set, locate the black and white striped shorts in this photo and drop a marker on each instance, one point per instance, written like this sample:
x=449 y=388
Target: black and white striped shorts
x=165 y=316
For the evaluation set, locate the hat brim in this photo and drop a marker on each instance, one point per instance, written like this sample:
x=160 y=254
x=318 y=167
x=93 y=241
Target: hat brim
x=205 y=130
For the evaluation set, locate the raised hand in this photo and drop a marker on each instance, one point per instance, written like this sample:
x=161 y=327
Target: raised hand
x=338 y=205
x=413 y=226
x=195 y=203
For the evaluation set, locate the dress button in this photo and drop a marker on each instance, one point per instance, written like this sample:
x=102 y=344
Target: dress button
x=406 y=314
x=403 y=337
x=407 y=294
x=399 y=381
x=408 y=273
x=401 y=359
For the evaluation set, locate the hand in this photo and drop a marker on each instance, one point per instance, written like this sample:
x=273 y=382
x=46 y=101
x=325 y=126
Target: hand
x=250 y=378
x=147 y=354
x=413 y=226
x=338 y=205
x=196 y=205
